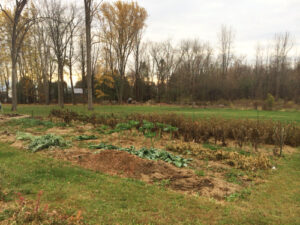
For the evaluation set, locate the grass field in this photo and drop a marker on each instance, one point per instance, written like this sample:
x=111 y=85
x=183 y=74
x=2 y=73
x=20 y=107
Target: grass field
x=284 y=116
x=112 y=200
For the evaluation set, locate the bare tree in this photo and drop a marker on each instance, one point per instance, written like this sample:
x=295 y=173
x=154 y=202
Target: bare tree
x=20 y=27
x=82 y=60
x=72 y=58
x=59 y=20
x=226 y=37
x=163 y=56
x=41 y=39
x=138 y=65
x=282 y=46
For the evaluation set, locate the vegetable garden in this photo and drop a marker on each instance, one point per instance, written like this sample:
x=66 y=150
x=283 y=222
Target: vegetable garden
x=171 y=138
x=217 y=158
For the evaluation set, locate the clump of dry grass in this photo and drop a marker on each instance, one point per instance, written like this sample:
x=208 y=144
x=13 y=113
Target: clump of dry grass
x=34 y=212
x=232 y=158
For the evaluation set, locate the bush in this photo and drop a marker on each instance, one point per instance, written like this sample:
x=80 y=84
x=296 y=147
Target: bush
x=269 y=102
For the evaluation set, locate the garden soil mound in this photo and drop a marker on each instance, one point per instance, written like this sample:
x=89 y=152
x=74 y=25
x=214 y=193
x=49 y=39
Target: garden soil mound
x=126 y=165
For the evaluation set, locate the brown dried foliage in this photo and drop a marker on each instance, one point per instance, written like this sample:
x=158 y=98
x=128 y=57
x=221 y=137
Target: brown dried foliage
x=234 y=159
x=201 y=130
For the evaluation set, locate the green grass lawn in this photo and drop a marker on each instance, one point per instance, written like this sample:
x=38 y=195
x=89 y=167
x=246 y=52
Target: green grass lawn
x=112 y=200
x=42 y=110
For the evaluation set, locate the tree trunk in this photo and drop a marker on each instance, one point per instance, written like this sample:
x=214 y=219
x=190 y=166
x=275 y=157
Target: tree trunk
x=7 y=83
x=45 y=76
x=83 y=77
x=46 y=86
x=88 y=21
x=14 y=83
x=121 y=90
x=50 y=85
x=72 y=86
x=60 y=83
x=7 y=91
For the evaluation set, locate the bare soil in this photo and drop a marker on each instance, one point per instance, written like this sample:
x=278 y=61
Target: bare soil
x=126 y=165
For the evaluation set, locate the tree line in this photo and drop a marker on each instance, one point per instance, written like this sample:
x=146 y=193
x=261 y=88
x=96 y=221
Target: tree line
x=49 y=48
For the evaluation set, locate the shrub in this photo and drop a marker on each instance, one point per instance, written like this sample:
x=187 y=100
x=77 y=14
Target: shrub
x=269 y=102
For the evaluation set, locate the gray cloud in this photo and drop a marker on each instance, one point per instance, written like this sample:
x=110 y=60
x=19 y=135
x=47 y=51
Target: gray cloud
x=252 y=20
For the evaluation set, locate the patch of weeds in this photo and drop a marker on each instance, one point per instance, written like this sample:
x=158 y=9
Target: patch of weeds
x=206 y=160
x=243 y=195
x=83 y=145
x=243 y=152
x=6 y=214
x=211 y=147
x=233 y=176
x=24 y=136
x=61 y=124
x=2 y=195
x=86 y=137
x=103 y=146
x=102 y=129
x=200 y=173
x=31 y=122
x=228 y=149
x=6 y=197
x=163 y=183
x=33 y=212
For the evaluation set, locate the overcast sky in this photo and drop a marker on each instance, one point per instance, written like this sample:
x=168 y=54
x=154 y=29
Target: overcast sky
x=253 y=21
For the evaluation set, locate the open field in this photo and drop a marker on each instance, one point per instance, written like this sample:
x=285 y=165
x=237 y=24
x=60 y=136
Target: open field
x=284 y=116
x=134 y=173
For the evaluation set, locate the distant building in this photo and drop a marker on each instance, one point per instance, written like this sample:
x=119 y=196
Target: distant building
x=78 y=91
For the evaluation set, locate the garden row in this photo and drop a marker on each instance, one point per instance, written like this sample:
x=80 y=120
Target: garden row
x=202 y=130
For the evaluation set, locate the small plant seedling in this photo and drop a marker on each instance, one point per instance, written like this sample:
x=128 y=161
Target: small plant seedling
x=170 y=129
x=238 y=195
x=233 y=176
x=133 y=123
x=164 y=183
x=160 y=127
x=150 y=135
x=200 y=173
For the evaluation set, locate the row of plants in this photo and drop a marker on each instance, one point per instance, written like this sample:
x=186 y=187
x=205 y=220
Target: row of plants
x=202 y=130
x=147 y=153
x=33 y=122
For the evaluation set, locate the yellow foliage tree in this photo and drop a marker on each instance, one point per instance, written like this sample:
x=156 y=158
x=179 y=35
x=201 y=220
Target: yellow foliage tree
x=121 y=22
x=103 y=78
